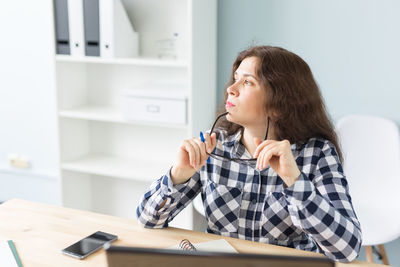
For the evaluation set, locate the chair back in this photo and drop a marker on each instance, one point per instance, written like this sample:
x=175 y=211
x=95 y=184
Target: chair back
x=371 y=150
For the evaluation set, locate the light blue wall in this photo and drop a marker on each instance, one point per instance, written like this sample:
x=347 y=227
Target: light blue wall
x=352 y=47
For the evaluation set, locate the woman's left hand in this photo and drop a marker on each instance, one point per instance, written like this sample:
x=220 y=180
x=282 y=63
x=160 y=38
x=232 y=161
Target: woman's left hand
x=279 y=156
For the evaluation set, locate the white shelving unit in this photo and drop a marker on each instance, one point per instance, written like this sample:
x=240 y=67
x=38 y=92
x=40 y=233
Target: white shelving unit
x=108 y=114
x=135 y=169
x=107 y=163
x=141 y=61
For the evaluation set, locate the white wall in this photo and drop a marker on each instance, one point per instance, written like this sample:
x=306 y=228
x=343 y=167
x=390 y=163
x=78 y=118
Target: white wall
x=352 y=46
x=28 y=124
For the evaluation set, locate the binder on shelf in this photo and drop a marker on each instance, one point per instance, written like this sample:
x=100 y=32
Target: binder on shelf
x=91 y=27
x=75 y=17
x=61 y=27
x=117 y=36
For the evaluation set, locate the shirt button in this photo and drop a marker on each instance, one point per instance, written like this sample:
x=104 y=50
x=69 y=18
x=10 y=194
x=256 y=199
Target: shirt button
x=254 y=201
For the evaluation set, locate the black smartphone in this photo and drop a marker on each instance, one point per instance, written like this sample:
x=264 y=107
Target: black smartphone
x=89 y=244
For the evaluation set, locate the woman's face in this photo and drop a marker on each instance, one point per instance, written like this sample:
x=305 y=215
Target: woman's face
x=246 y=97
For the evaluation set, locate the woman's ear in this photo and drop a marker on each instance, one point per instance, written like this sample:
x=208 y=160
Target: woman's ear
x=272 y=114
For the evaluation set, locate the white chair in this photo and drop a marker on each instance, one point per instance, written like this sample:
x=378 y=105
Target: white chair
x=199 y=218
x=198 y=205
x=371 y=149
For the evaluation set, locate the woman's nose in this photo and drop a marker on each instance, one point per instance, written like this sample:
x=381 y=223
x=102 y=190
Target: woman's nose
x=232 y=90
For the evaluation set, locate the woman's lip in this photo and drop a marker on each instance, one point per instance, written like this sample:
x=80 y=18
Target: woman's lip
x=229 y=104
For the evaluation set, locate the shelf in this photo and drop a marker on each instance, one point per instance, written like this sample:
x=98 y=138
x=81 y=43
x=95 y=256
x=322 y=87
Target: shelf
x=155 y=62
x=109 y=114
x=99 y=147
x=131 y=169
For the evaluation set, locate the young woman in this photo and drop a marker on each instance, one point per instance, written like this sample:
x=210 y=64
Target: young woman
x=274 y=172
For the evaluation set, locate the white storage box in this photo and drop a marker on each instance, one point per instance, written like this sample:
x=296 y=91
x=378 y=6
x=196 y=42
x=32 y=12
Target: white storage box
x=154 y=105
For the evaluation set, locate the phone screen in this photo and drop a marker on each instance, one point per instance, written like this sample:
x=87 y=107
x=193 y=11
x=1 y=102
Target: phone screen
x=88 y=245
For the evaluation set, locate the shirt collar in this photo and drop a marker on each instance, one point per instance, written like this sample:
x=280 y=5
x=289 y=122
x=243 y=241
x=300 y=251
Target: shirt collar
x=233 y=139
x=239 y=149
x=234 y=143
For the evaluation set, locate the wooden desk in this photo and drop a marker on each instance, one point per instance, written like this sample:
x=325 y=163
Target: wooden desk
x=41 y=231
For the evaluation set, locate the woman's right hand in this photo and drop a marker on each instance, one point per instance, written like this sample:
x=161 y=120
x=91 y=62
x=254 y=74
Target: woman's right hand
x=191 y=157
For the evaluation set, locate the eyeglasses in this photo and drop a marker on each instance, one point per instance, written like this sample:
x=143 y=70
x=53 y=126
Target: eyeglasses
x=238 y=160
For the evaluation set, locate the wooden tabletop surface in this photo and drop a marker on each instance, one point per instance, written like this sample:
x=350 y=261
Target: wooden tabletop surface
x=41 y=231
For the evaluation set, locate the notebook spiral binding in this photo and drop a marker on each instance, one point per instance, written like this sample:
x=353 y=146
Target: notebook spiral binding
x=186 y=245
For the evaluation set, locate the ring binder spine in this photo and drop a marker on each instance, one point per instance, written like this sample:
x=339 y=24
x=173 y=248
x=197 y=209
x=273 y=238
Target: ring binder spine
x=61 y=27
x=76 y=32
x=91 y=27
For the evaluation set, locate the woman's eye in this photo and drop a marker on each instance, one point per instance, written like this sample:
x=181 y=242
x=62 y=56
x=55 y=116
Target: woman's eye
x=247 y=82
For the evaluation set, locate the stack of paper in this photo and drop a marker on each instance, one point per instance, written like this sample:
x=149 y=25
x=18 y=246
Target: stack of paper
x=8 y=255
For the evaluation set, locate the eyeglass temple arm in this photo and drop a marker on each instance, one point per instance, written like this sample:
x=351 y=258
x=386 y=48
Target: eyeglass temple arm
x=266 y=133
x=215 y=122
x=224 y=114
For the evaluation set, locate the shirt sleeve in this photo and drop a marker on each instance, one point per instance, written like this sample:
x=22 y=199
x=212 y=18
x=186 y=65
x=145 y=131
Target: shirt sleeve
x=320 y=204
x=149 y=213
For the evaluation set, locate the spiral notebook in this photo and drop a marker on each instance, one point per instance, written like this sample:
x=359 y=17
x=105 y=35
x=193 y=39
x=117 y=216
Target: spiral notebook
x=220 y=245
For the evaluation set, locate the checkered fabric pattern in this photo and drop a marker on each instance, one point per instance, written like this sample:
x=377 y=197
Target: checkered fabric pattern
x=314 y=214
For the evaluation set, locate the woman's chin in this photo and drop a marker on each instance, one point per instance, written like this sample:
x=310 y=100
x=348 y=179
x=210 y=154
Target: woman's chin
x=230 y=118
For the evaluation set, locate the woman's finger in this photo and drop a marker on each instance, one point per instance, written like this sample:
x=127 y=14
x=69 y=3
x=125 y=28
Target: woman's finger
x=262 y=163
x=197 y=152
x=274 y=151
x=260 y=159
x=213 y=141
x=261 y=146
x=191 y=151
x=202 y=147
x=208 y=143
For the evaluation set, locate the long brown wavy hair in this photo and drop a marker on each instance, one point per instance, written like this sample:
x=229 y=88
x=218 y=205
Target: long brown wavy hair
x=296 y=108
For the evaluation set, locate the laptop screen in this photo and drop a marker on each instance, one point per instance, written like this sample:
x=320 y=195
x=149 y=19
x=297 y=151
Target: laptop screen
x=141 y=257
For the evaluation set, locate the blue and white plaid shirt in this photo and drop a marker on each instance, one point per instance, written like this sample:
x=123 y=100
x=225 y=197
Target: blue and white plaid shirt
x=314 y=214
